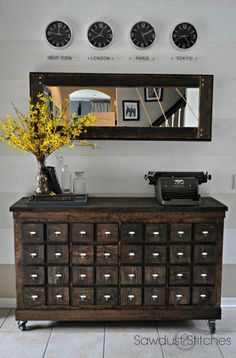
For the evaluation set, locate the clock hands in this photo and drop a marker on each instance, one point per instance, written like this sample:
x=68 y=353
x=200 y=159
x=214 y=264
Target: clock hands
x=148 y=32
x=143 y=35
x=98 y=34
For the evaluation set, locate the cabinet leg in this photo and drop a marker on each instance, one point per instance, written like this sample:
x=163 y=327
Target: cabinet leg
x=22 y=325
x=212 y=325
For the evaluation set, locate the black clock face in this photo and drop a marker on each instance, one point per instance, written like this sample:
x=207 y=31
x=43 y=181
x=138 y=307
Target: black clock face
x=184 y=36
x=142 y=34
x=58 y=34
x=100 y=34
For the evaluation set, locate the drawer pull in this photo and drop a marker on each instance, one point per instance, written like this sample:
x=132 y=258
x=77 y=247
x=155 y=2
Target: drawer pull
x=155 y=276
x=107 y=297
x=107 y=233
x=58 y=275
x=131 y=297
x=155 y=254
x=204 y=254
x=82 y=232
x=178 y=296
x=131 y=276
x=131 y=233
x=107 y=276
x=203 y=295
x=82 y=276
x=83 y=255
x=205 y=233
x=83 y=297
x=107 y=254
x=34 y=297
x=154 y=297
x=58 y=254
x=180 y=254
x=57 y=233
x=203 y=275
x=58 y=297
x=33 y=233
x=33 y=254
x=131 y=254
x=179 y=275
x=156 y=233
x=180 y=233
x=34 y=276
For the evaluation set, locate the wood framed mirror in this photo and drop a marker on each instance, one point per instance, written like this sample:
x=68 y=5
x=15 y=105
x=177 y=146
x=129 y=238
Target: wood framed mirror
x=135 y=106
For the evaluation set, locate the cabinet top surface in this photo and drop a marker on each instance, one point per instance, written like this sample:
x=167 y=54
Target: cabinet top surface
x=117 y=204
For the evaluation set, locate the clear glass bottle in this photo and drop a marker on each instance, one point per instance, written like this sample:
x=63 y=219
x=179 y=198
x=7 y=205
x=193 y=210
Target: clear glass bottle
x=59 y=167
x=66 y=179
x=79 y=183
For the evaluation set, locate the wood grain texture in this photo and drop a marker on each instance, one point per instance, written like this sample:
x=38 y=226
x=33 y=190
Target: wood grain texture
x=119 y=296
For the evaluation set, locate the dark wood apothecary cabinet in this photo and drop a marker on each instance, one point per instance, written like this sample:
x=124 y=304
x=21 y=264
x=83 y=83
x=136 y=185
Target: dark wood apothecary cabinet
x=118 y=259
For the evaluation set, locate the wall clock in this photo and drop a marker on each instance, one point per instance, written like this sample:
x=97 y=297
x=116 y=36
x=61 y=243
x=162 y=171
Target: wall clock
x=142 y=34
x=100 y=35
x=184 y=36
x=58 y=34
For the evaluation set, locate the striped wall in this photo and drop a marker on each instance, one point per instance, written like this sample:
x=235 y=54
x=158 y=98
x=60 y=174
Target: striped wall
x=117 y=167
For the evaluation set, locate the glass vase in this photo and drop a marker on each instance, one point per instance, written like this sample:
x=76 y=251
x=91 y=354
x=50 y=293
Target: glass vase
x=41 y=178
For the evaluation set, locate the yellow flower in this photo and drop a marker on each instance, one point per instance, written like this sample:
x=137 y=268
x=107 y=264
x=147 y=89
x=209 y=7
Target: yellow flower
x=41 y=132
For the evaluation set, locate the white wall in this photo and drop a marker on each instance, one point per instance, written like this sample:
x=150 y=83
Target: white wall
x=118 y=167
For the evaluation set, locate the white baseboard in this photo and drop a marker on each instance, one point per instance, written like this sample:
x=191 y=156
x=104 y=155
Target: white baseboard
x=228 y=302
x=225 y=302
x=8 y=302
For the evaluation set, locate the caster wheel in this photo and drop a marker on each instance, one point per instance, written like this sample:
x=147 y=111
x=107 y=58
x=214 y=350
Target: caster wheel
x=212 y=325
x=22 y=325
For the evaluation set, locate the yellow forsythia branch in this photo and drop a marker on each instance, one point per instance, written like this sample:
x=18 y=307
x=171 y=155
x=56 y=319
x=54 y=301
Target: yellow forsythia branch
x=41 y=132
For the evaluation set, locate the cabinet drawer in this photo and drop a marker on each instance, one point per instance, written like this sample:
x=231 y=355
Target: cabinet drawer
x=57 y=232
x=58 y=296
x=107 y=275
x=82 y=232
x=82 y=254
x=107 y=232
x=131 y=254
x=205 y=232
x=33 y=254
x=107 y=254
x=34 y=296
x=156 y=233
x=58 y=275
x=180 y=232
x=180 y=254
x=31 y=232
x=155 y=254
x=57 y=254
x=34 y=275
x=82 y=296
x=204 y=254
x=107 y=296
x=154 y=296
x=131 y=232
x=179 y=296
x=131 y=296
x=82 y=275
x=179 y=275
x=131 y=275
x=203 y=295
x=155 y=275
x=204 y=275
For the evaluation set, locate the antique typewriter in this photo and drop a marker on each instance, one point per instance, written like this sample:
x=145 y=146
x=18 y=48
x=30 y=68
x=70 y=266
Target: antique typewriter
x=177 y=188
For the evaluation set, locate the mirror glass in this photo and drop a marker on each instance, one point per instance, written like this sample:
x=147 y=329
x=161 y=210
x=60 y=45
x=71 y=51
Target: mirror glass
x=132 y=106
